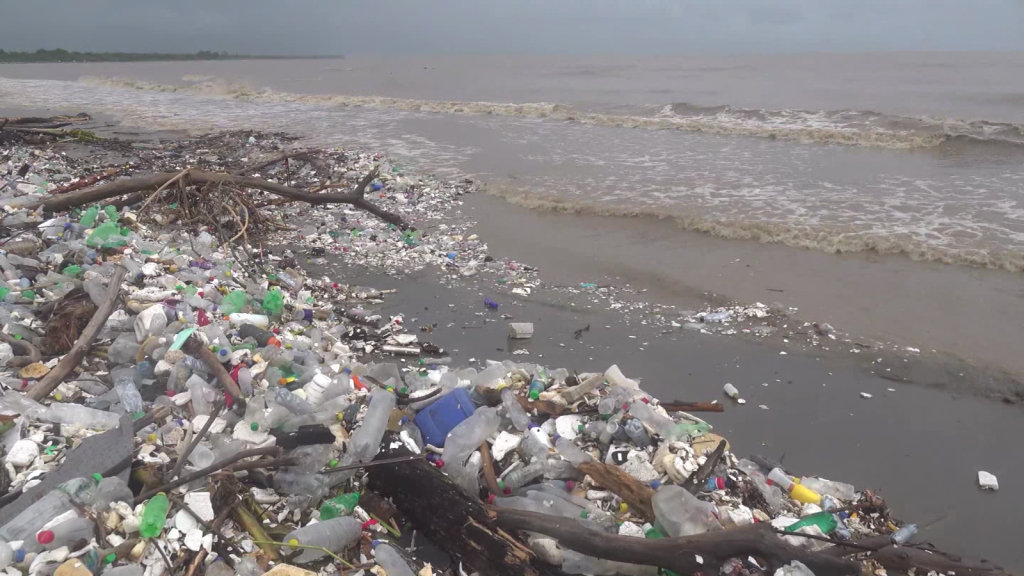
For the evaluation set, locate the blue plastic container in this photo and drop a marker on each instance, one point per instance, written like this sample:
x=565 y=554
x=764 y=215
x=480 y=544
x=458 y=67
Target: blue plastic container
x=438 y=419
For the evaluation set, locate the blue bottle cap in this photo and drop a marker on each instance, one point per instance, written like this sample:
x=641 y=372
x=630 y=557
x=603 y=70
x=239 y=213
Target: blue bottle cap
x=655 y=484
x=374 y=543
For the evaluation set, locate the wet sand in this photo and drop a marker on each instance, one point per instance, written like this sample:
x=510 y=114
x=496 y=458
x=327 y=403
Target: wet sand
x=919 y=447
x=967 y=320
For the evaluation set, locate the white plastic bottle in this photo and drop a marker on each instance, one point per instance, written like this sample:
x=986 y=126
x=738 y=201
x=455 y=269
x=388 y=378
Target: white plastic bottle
x=66 y=533
x=520 y=419
x=391 y=560
x=335 y=535
x=681 y=513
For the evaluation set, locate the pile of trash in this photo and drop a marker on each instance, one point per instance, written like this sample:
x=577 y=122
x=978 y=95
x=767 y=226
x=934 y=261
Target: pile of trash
x=171 y=407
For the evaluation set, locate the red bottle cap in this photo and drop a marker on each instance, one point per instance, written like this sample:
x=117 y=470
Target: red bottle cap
x=45 y=537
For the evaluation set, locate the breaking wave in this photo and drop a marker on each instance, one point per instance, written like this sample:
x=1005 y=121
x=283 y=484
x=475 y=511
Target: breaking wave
x=846 y=127
x=819 y=238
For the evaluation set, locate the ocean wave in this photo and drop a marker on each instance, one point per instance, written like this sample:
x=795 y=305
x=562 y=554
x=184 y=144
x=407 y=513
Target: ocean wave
x=818 y=238
x=846 y=127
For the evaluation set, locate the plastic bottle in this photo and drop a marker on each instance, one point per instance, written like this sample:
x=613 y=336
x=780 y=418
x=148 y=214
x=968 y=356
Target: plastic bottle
x=154 y=516
x=717 y=483
x=637 y=433
x=111 y=489
x=521 y=476
x=234 y=303
x=198 y=387
x=904 y=534
x=89 y=216
x=9 y=555
x=536 y=387
x=124 y=383
x=468 y=435
x=536 y=444
x=365 y=442
x=243 y=377
x=334 y=535
x=297 y=405
x=520 y=419
x=66 y=533
x=570 y=451
x=77 y=415
x=259 y=320
x=840 y=490
x=662 y=425
x=795 y=491
x=490 y=304
x=731 y=391
x=681 y=513
x=825 y=521
x=25 y=525
x=391 y=560
x=261 y=336
x=772 y=494
x=342 y=505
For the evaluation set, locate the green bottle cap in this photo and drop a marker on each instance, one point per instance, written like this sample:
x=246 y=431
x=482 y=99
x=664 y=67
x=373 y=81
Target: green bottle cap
x=97 y=476
x=334 y=463
x=110 y=558
x=254 y=426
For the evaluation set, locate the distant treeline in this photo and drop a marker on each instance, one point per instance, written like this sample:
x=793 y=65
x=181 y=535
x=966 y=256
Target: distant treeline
x=61 y=55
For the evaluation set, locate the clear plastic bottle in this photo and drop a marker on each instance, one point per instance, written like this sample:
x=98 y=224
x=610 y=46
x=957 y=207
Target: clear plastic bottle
x=295 y=404
x=391 y=560
x=66 y=533
x=77 y=415
x=112 y=489
x=520 y=419
x=839 y=490
x=24 y=526
x=772 y=495
x=681 y=513
x=570 y=451
x=637 y=433
x=365 y=442
x=201 y=393
x=521 y=476
x=335 y=535
x=124 y=383
x=9 y=555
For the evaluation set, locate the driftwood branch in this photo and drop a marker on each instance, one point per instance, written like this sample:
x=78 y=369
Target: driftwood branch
x=354 y=198
x=634 y=493
x=72 y=359
x=204 y=472
x=261 y=164
x=924 y=559
x=194 y=347
x=695 y=482
x=677 y=554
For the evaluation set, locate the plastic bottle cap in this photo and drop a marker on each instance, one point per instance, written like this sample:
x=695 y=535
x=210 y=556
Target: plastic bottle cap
x=374 y=543
x=570 y=485
x=97 y=476
x=45 y=537
x=490 y=498
x=293 y=542
x=254 y=426
x=19 y=555
x=334 y=463
x=655 y=484
x=623 y=507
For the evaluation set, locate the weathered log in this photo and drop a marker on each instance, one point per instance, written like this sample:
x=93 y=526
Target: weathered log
x=925 y=559
x=703 y=553
x=72 y=359
x=455 y=521
x=354 y=198
x=631 y=490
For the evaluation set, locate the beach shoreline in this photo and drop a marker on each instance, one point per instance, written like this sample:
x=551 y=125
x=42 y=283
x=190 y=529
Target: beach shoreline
x=919 y=446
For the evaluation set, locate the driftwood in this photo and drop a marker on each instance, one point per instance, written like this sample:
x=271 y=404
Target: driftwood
x=457 y=522
x=634 y=493
x=72 y=359
x=354 y=198
x=677 y=554
x=926 y=559
x=194 y=347
x=695 y=481
x=680 y=406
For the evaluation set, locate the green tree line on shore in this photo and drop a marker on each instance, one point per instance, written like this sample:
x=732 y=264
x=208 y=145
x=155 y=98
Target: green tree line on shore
x=61 y=55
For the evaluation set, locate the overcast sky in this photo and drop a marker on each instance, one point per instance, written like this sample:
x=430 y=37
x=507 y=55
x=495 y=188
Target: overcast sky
x=507 y=26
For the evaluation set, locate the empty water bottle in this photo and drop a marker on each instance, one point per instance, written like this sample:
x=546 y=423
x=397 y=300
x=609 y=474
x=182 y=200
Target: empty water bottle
x=292 y=402
x=67 y=533
x=681 y=513
x=520 y=419
x=9 y=555
x=24 y=526
x=335 y=535
x=391 y=560
x=637 y=433
x=521 y=476
x=570 y=451
x=111 y=489
x=365 y=442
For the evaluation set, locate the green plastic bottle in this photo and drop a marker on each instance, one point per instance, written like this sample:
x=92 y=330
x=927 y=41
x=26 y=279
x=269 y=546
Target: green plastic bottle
x=73 y=270
x=89 y=218
x=106 y=235
x=273 y=302
x=154 y=516
x=111 y=213
x=234 y=302
x=4 y=291
x=339 y=506
x=825 y=521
